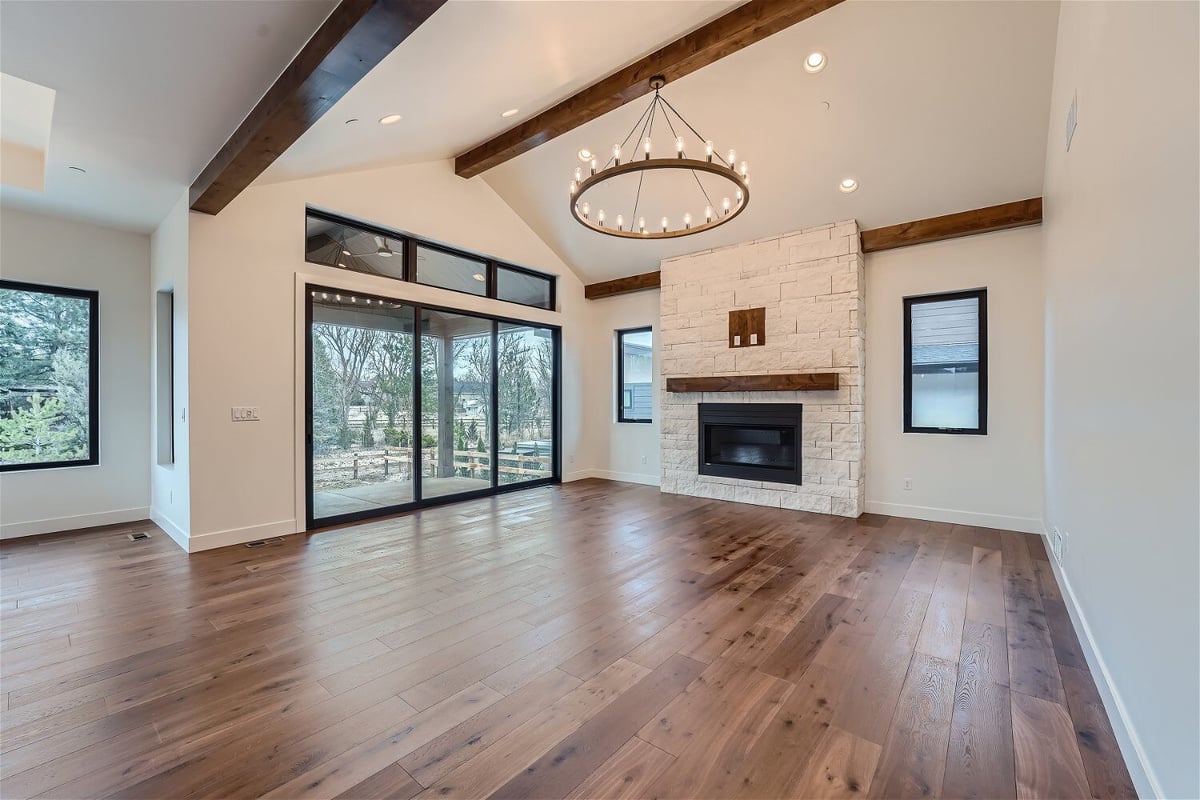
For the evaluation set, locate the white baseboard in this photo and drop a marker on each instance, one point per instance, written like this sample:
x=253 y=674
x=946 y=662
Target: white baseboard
x=15 y=530
x=169 y=527
x=978 y=519
x=626 y=477
x=578 y=475
x=1140 y=772
x=215 y=539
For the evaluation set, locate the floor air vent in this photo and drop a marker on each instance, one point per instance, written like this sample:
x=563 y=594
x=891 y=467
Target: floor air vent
x=264 y=542
x=139 y=536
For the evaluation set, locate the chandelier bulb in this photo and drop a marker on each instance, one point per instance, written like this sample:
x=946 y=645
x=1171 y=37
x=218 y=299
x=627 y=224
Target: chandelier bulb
x=617 y=155
x=586 y=208
x=732 y=157
x=642 y=224
x=594 y=166
x=664 y=224
x=620 y=222
x=725 y=204
x=600 y=217
x=574 y=188
x=708 y=213
x=679 y=146
x=579 y=173
x=708 y=151
x=739 y=196
x=745 y=168
x=646 y=146
x=687 y=220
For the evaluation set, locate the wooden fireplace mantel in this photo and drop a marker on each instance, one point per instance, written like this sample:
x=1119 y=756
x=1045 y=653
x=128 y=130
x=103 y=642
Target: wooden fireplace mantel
x=789 y=382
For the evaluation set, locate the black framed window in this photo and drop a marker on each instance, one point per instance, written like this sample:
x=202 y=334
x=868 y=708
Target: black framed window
x=333 y=241
x=409 y=405
x=449 y=270
x=635 y=375
x=945 y=363
x=49 y=376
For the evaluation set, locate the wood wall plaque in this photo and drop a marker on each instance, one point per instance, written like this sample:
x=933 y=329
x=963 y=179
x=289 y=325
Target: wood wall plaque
x=748 y=327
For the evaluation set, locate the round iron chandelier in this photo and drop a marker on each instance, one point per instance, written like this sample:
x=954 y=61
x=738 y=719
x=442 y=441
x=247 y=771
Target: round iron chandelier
x=639 y=161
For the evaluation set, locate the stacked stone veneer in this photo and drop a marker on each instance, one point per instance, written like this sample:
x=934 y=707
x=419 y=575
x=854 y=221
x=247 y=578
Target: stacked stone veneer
x=811 y=284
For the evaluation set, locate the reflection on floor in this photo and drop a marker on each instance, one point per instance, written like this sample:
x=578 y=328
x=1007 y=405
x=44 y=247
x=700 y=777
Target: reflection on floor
x=331 y=502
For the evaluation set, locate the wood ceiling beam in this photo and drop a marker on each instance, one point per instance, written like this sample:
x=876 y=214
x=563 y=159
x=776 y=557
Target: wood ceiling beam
x=634 y=283
x=353 y=39
x=951 y=226
x=745 y=25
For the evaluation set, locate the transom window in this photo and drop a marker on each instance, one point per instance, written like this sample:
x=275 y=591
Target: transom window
x=945 y=363
x=335 y=242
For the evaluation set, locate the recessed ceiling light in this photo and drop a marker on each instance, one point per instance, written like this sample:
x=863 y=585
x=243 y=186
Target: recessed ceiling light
x=78 y=169
x=848 y=185
x=479 y=277
x=512 y=112
x=815 y=61
x=585 y=155
x=390 y=119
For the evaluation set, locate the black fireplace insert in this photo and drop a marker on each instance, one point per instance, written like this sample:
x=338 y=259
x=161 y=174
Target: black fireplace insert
x=753 y=441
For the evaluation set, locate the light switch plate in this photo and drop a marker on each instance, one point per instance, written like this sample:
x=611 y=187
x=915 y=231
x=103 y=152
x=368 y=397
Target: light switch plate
x=244 y=413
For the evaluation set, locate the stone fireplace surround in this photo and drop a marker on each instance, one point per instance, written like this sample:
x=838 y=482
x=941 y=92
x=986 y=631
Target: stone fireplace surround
x=811 y=284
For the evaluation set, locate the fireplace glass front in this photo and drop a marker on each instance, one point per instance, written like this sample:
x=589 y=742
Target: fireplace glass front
x=753 y=441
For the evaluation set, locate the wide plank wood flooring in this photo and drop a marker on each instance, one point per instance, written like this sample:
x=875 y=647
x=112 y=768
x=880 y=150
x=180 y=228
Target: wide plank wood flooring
x=592 y=640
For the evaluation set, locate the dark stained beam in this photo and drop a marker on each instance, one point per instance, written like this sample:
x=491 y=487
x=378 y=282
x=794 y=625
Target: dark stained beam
x=790 y=382
x=356 y=36
x=951 y=226
x=634 y=283
x=740 y=28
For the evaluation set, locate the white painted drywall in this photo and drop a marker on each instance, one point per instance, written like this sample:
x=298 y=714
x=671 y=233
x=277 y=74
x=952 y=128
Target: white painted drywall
x=244 y=326
x=620 y=447
x=1122 y=269
x=59 y=252
x=993 y=480
x=170 y=491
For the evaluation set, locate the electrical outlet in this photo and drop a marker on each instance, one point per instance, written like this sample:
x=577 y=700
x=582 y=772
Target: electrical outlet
x=908 y=484
x=244 y=413
x=643 y=459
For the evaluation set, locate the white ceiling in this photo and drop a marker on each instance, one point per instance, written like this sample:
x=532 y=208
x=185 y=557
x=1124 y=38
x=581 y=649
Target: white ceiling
x=472 y=60
x=147 y=92
x=934 y=107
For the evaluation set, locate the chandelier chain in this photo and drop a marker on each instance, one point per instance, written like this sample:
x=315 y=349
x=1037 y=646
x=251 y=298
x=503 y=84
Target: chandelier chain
x=695 y=177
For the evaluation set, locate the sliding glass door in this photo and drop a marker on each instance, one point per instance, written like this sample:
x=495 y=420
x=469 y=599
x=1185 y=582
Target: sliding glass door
x=411 y=405
x=456 y=403
x=525 y=357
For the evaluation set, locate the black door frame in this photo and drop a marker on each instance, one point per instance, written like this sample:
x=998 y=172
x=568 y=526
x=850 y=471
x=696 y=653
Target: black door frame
x=312 y=523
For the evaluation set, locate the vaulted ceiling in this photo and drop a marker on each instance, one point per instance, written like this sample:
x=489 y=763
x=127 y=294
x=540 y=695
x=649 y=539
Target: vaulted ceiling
x=934 y=107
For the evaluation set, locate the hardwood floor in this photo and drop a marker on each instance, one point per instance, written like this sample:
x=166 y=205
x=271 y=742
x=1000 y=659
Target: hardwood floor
x=590 y=640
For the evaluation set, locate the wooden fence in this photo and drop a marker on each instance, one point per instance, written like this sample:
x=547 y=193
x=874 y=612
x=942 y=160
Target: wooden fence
x=380 y=464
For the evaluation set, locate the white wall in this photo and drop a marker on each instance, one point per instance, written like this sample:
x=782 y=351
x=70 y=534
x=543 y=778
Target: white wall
x=170 y=494
x=244 y=317
x=621 y=451
x=1122 y=263
x=48 y=250
x=993 y=480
